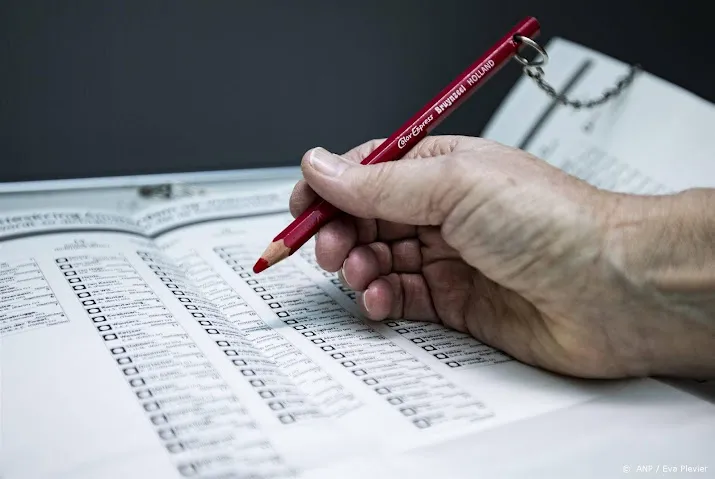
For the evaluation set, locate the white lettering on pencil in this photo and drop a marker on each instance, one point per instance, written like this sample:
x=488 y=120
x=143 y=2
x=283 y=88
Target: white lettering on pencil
x=416 y=130
x=449 y=101
x=481 y=71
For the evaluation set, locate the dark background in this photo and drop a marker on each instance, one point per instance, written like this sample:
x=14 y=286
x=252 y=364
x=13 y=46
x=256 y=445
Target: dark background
x=107 y=87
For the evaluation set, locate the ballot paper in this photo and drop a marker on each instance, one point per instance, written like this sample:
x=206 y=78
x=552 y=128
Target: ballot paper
x=145 y=346
x=142 y=345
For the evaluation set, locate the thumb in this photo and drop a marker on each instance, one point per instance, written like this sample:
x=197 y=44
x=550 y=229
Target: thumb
x=420 y=191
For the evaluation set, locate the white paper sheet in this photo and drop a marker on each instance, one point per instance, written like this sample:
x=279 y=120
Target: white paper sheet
x=150 y=349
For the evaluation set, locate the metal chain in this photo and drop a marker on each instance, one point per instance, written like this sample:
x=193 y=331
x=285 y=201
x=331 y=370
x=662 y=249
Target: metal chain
x=536 y=73
x=533 y=69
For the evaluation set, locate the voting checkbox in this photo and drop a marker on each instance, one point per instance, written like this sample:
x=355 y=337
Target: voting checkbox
x=286 y=418
x=130 y=371
x=317 y=341
x=337 y=355
x=359 y=372
x=137 y=382
x=191 y=307
x=394 y=401
x=298 y=327
x=159 y=419
x=266 y=394
x=212 y=331
x=274 y=305
x=418 y=340
x=251 y=282
x=244 y=275
x=184 y=300
x=307 y=334
x=421 y=423
x=144 y=394
x=335 y=281
x=104 y=327
x=239 y=362
x=205 y=323
x=74 y=280
x=327 y=348
x=428 y=348
x=99 y=319
x=65 y=266
x=276 y=406
x=79 y=287
x=151 y=406
x=198 y=315
x=283 y=314
x=290 y=321
x=61 y=260
x=167 y=433
x=402 y=331
x=94 y=311
x=230 y=352
x=83 y=295
x=70 y=273
x=166 y=279
x=238 y=268
x=266 y=297
x=222 y=343
x=351 y=295
x=453 y=364
x=175 y=447
x=408 y=411
x=125 y=360
x=178 y=293
x=370 y=381
x=154 y=267
x=172 y=286
x=119 y=350
x=382 y=390
x=248 y=372
x=441 y=356
x=257 y=383
x=88 y=302
x=348 y=364
x=109 y=337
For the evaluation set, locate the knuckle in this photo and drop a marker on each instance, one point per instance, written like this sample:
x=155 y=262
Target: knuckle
x=452 y=185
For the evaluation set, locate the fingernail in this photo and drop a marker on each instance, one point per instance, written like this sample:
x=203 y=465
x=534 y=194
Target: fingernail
x=362 y=301
x=327 y=163
x=341 y=275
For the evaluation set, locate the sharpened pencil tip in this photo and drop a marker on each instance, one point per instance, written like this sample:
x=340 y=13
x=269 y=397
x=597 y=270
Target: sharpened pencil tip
x=260 y=265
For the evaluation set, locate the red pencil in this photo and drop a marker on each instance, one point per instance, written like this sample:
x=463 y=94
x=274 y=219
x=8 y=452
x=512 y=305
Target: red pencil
x=396 y=146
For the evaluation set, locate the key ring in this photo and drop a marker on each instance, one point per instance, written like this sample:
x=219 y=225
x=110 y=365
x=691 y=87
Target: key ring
x=534 y=46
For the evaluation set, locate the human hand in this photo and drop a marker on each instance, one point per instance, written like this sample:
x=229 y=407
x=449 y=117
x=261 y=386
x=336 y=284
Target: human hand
x=493 y=242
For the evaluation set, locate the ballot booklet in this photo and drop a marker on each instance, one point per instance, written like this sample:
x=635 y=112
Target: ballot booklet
x=143 y=345
x=147 y=344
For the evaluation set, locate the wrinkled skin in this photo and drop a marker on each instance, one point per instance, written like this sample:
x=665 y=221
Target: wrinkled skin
x=490 y=241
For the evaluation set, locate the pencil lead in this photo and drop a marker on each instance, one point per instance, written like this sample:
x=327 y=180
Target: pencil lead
x=260 y=265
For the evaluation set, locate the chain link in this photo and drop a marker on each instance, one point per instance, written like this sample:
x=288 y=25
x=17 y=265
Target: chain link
x=536 y=73
x=533 y=69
